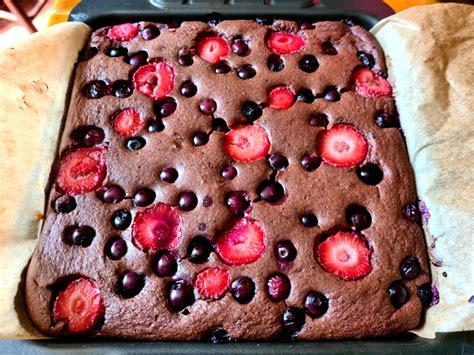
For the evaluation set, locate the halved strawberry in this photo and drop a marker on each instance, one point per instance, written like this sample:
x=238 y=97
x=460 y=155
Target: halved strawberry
x=123 y=32
x=242 y=244
x=82 y=170
x=155 y=80
x=212 y=282
x=369 y=84
x=285 y=43
x=281 y=98
x=247 y=144
x=157 y=227
x=213 y=49
x=341 y=146
x=128 y=122
x=80 y=306
x=346 y=255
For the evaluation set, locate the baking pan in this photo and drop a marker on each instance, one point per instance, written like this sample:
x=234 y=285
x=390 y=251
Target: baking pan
x=363 y=12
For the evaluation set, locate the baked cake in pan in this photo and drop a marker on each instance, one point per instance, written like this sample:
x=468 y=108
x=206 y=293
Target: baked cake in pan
x=232 y=180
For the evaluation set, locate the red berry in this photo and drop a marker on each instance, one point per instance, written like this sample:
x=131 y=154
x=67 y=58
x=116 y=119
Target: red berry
x=124 y=32
x=247 y=144
x=82 y=170
x=212 y=282
x=213 y=49
x=285 y=43
x=157 y=227
x=80 y=306
x=346 y=255
x=341 y=146
x=242 y=244
x=369 y=84
x=281 y=98
x=128 y=122
x=155 y=80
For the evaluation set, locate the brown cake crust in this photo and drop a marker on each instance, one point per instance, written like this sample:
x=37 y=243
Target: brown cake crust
x=357 y=309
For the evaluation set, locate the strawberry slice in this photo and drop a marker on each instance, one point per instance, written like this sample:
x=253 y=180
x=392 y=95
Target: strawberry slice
x=242 y=244
x=346 y=255
x=155 y=80
x=157 y=227
x=123 y=32
x=128 y=122
x=369 y=84
x=281 y=98
x=213 y=49
x=79 y=306
x=247 y=144
x=285 y=43
x=82 y=170
x=341 y=146
x=212 y=282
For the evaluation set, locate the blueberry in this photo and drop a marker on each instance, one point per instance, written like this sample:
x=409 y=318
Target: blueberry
x=220 y=336
x=319 y=120
x=137 y=59
x=366 y=58
x=187 y=201
x=169 y=175
x=213 y=18
x=240 y=47
x=199 y=249
x=275 y=63
x=185 y=60
x=122 y=88
x=65 y=204
x=308 y=63
x=207 y=106
x=164 y=264
x=130 y=284
x=306 y=96
x=252 y=111
x=278 y=162
x=285 y=251
x=219 y=125
x=96 y=89
x=246 y=72
x=412 y=213
x=309 y=220
x=222 y=68
x=331 y=94
x=165 y=107
x=155 y=125
x=116 y=52
x=425 y=294
x=316 y=304
x=243 y=289
x=409 y=268
x=112 y=194
x=229 y=172
x=82 y=236
x=188 y=89
x=238 y=202
x=264 y=20
x=293 y=321
x=181 y=295
x=358 y=217
x=135 y=143
x=121 y=219
x=306 y=26
x=370 y=174
x=144 y=197
x=310 y=163
x=150 y=32
x=271 y=191
x=384 y=120
x=116 y=248
x=398 y=294
x=94 y=136
x=328 y=48
x=200 y=138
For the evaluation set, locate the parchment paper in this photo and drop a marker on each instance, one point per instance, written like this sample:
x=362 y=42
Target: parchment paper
x=430 y=53
x=34 y=80
x=430 y=56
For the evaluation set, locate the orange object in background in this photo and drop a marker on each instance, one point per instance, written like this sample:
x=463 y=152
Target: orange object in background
x=399 y=5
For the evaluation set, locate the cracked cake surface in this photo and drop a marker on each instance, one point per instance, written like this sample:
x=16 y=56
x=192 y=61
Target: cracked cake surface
x=230 y=181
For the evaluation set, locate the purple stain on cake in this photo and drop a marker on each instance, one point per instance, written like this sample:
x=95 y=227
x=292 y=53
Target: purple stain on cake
x=425 y=213
x=435 y=293
x=471 y=300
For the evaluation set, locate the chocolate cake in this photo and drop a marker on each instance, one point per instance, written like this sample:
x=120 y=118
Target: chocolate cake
x=232 y=180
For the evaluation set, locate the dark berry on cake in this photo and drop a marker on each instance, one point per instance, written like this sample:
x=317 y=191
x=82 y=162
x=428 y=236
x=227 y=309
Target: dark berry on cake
x=116 y=248
x=370 y=174
x=169 y=175
x=181 y=295
x=93 y=136
x=398 y=294
x=187 y=201
x=82 y=235
x=111 y=194
x=135 y=143
x=130 y=284
x=310 y=163
x=246 y=72
x=144 y=197
x=199 y=249
x=278 y=162
x=308 y=63
x=271 y=191
x=164 y=264
x=121 y=219
x=285 y=251
x=243 y=289
x=409 y=268
x=316 y=304
x=358 y=217
x=65 y=204
x=238 y=203
x=309 y=220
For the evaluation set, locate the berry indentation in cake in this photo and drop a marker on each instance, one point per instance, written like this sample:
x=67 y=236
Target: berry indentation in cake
x=278 y=287
x=79 y=306
x=157 y=227
x=369 y=84
x=281 y=98
x=213 y=49
x=82 y=170
x=345 y=254
x=243 y=243
x=128 y=122
x=212 y=282
x=247 y=144
x=155 y=80
x=341 y=146
x=285 y=43
x=123 y=32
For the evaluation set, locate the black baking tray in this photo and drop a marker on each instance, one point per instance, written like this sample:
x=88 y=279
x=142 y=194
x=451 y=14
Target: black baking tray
x=99 y=13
